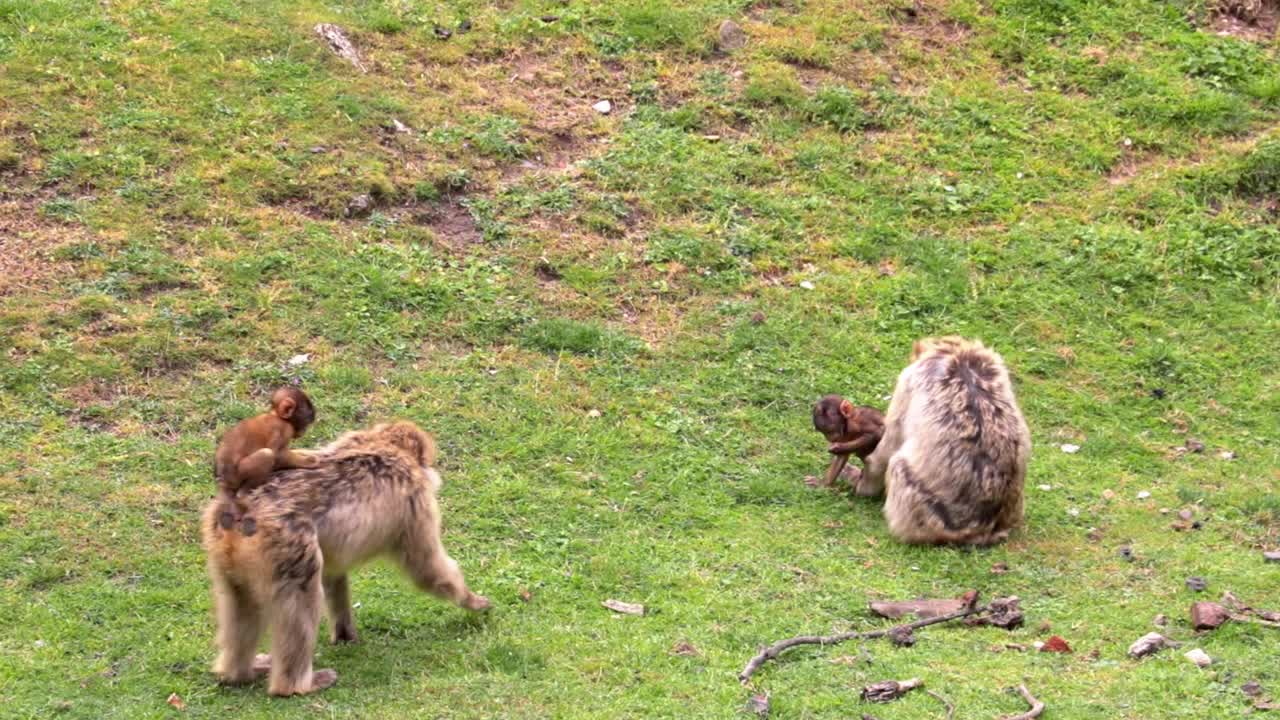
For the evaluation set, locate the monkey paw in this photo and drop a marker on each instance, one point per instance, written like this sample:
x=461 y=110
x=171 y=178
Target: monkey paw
x=322 y=679
x=476 y=602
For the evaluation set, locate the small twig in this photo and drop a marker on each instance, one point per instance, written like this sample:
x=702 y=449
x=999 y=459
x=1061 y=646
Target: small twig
x=951 y=709
x=1037 y=706
x=776 y=649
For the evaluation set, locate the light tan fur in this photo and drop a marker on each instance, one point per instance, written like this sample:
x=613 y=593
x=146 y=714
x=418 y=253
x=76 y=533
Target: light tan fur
x=371 y=493
x=955 y=447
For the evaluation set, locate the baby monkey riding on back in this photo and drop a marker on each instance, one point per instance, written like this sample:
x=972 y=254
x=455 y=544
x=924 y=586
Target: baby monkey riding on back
x=253 y=448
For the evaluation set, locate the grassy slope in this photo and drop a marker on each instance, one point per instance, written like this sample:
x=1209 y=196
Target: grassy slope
x=1088 y=186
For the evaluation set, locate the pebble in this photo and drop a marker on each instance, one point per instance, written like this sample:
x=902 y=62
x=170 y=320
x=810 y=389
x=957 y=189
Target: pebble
x=806 y=285
x=604 y=107
x=1271 y=556
x=1197 y=584
x=1194 y=445
x=1186 y=515
x=1046 y=488
x=1227 y=455
x=1108 y=494
x=1199 y=657
x=1070 y=449
x=1144 y=495
x=732 y=36
x=1074 y=512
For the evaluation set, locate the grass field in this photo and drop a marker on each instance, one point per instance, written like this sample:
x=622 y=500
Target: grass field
x=616 y=324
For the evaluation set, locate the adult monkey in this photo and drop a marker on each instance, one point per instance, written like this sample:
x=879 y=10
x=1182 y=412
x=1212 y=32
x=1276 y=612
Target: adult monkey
x=955 y=447
x=373 y=492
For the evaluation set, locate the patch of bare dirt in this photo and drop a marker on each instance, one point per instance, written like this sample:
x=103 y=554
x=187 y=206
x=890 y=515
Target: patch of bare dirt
x=451 y=221
x=1254 y=20
x=26 y=244
x=928 y=26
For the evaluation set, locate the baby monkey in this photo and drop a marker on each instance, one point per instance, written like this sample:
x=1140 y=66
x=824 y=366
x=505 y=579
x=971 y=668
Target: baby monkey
x=851 y=430
x=253 y=448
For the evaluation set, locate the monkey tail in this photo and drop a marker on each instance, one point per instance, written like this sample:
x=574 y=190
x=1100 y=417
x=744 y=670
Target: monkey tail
x=428 y=449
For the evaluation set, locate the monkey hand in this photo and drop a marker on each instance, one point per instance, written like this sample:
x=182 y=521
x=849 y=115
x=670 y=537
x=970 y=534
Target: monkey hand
x=476 y=602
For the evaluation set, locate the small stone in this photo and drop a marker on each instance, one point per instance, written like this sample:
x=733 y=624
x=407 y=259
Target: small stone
x=397 y=126
x=1199 y=657
x=593 y=413
x=1143 y=495
x=442 y=32
x=1208 y=615
x=1252 y=688
x=731 y=37
x=1165 y=511
x=1160 y=620
x=1194 y=445
x=1070 y=449
x=1197 y=584
x=1055 y=644
x=301 y=359
x=1157 y=393
x=317 y=149
x=1227 y=455
x=999 y=568
x=1186 y=515
x=1108 y=494
x=604 y=107
x=1128 y=142
x=38 y=643
x=1038 y=645
x=1125 y=552
x=1148 y=644
x=806 y=285
x=360 y=206
x=1271 y=556
x=757 y=318
x=465 y=25
x=1045 y=488
x=1074 y=512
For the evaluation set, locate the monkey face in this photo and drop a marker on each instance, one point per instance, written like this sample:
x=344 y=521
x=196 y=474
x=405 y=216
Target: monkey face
x=304 y=414
x=294 y=407
x=827 y=418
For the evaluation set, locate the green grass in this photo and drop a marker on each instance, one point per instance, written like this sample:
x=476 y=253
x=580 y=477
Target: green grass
x=1089 y=187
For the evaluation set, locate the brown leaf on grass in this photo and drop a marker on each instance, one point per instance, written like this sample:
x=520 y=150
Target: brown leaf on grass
x=525 y=595
x=625 y=608
x=176 y=701
x=1055 y=644
x=686 y=648
x=924 y=609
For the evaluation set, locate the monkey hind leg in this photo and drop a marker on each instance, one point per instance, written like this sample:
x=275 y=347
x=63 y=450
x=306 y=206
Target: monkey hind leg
x=911 y=511
x=424 y=559
x=240 y=623
x=294 y=623
x=255 y=468
x=337 y=596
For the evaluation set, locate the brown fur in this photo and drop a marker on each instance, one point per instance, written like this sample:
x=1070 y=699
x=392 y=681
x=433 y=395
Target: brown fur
x=251 y=450
x=955 y=447
x=372 y=493
x=851 y=430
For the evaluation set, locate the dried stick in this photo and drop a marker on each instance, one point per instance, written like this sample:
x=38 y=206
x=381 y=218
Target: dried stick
x=951 y=709
x=776 y=649
x=1037 y=706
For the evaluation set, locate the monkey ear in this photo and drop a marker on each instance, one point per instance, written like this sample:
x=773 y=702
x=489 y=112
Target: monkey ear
x=846 y=408
x=285 y=408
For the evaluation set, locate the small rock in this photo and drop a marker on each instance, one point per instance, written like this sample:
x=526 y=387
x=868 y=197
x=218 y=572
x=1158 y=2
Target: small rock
x=1045 y=488
x=38 y=644
x=1197 y=584
x=1143 y=495
x=593 y=413
x=999 y=568
x=1227 y=455
x=317 y=149
x=757 y=318
x=1186 y=515
x=465 y=25
x=442 y=32
x=1199 y=657
x=731 y=37
x=684 y=647
x=1165 y=511
x=1148 y=644
x=1128 y=142
x=1038 y=645
x=1160 y=620
x=1073 y=512
x=1157 y=393
x=604 y=107
x=806 y=285
x=1252 y=688
x=1194 y=445
x=1070 y=449
x=548 y=19
x=397 y=126
x=301 y=359
x=525 y=595
x=1208 y=615
x=1125 y=552
x=360 y=206
x=1055 y=644
x=1108 y=494
x=1271 y=556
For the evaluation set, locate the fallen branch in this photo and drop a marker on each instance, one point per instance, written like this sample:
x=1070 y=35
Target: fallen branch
x=773 y=651
x=1037 y=706
x=951 y=709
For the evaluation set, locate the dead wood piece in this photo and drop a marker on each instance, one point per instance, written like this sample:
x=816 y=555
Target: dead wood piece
x=1005 y=613
x=951 y=709
x=1037 y=706
x=773 y=651
x=889 y=690
x=625 y=608
x=1208 y=615
x=924 y=608
x=341 y=45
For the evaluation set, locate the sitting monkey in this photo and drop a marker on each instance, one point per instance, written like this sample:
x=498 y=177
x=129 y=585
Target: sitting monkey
x=953 y=459
x=371 y=493
x=851 y=430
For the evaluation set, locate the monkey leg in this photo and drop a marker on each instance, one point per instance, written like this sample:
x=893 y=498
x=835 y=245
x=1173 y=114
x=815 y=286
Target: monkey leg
x=424 y=559
x=254 y=468
x=294 y=459
x=907 y=506
x=240 y=622
x=295 y=619
x=337 y=597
